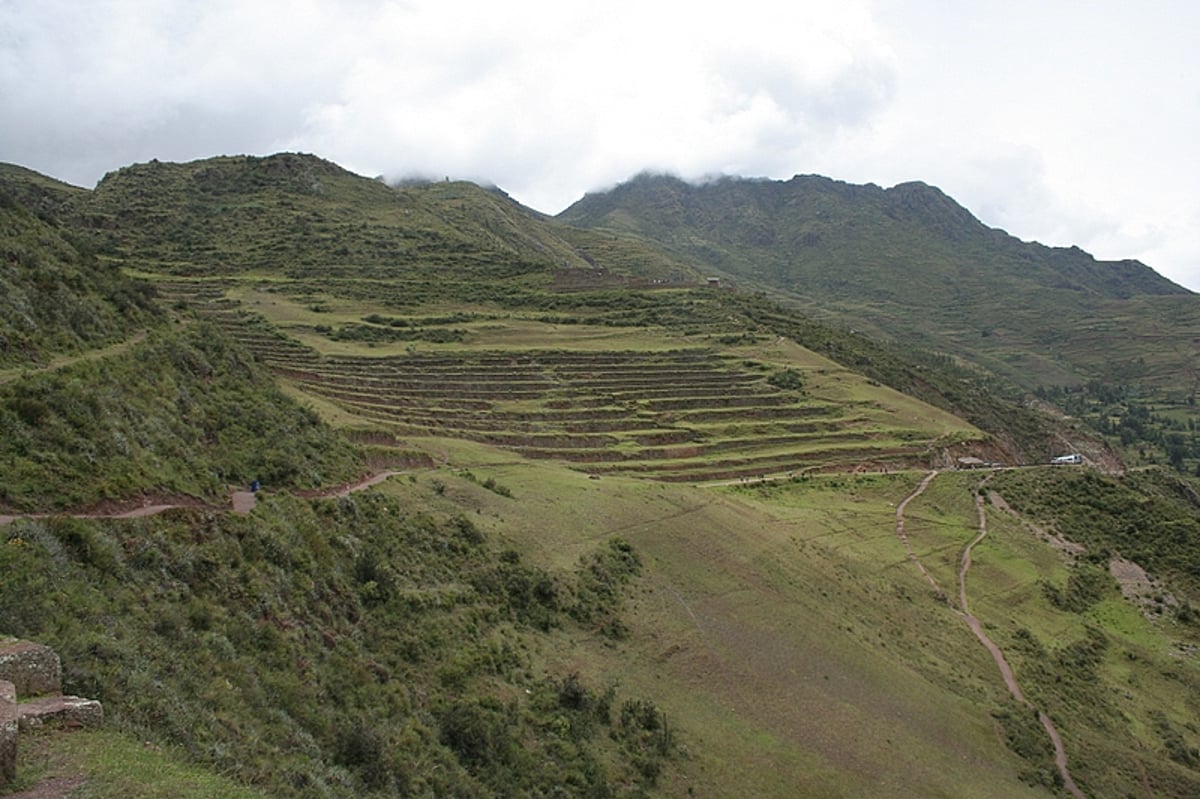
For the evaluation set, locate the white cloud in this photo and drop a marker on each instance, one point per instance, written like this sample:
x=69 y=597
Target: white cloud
x=554 y=101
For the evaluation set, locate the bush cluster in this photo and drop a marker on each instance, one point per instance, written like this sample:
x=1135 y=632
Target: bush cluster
x=333 y=648
x=184 y=412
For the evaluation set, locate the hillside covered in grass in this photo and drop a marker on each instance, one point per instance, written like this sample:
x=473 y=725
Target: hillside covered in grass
x=298 y=212
x=182 y=413
x=358 y=264
x=650 y=537
x=339 y=648
x=909 y=245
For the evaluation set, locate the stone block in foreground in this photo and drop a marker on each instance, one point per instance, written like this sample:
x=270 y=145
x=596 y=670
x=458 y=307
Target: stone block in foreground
x=69 y=712
x=34 y=669
x=8 y=732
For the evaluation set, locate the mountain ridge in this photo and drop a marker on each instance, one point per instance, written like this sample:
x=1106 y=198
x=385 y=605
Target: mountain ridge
x=916 y=200
x=910 y=264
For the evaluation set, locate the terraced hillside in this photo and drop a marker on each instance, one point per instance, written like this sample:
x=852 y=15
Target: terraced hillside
x=675 y=408
x=683 y=415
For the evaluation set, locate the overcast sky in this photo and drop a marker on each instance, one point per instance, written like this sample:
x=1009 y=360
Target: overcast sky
x=1062 y=122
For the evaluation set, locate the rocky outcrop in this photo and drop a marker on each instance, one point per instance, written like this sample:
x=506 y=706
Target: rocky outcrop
x=31 y=696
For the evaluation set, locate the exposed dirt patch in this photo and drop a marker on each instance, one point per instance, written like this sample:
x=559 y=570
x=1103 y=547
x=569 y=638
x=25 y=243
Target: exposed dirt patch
x=243 y=501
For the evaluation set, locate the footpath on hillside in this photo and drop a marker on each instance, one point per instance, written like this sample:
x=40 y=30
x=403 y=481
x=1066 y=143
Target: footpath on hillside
x=1006 y=672
x=62 y=361
x=240 y=502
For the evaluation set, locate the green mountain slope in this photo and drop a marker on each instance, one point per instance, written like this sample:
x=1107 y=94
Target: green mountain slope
x=660 y=539
x=906 y=262
x=231 y=214
x=316 y=230
x=293 y=211
x=49 y=199
x=909 y=264
x=181 y=413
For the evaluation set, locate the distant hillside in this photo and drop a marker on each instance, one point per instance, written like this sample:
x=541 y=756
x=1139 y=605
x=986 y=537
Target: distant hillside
x=325 y=231
x=47 y=198
x=896 y=244
x=294 y=211
x=240 y=212
x=906 y=262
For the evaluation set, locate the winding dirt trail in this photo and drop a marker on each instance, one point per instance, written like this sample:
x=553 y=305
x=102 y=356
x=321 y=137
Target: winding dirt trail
x=912 y=556
x=240 y=502
x=1006 y=672
x=61 y=361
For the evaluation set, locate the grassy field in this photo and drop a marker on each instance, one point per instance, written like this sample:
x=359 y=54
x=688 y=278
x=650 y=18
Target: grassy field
x=794 y=648
x=778 y=626
x=1118 y=683
x=781 y=625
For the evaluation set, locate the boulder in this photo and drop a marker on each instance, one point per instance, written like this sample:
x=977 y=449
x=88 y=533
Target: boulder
x=33 y=672
x=34 y=669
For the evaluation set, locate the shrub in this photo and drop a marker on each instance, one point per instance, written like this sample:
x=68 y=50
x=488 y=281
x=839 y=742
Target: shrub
x=788 y=379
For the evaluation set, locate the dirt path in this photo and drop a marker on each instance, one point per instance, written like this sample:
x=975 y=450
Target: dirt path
x=761 y=479
x=9 y=375
x=1006 y=672
x=240 y=502
x=1060 y=752
x=964 y=566
x=912 y=556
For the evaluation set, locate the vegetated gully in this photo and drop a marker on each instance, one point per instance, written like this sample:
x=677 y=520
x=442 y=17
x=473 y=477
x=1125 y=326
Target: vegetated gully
x=1060 y=753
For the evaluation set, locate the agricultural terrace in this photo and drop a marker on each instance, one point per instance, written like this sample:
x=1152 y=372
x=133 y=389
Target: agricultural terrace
x=606 y=399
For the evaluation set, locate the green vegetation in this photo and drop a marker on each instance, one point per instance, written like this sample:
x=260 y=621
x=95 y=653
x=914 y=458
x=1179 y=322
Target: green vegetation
x=184 y=412
x=523 y=614
x=1146 y=426
x=112 y=765
x=979 y=397
x=911 y=265
x=1146 y=516
x=340 y=647
x=907 y=262
x=453 y=258
x=1103 y=670
x=55 y=297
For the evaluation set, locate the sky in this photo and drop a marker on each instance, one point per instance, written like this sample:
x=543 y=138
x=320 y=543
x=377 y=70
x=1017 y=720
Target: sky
x=1068 y=123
